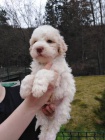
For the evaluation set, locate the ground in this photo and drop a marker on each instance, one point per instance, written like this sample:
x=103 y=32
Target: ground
x=88 y=107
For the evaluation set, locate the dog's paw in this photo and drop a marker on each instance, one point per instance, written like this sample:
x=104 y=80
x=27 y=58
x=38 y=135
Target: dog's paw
x=26 y=86
x=42 y=80
x=39 y=89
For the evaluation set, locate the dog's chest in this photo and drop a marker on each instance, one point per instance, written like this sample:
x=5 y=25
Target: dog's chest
x=61 y=67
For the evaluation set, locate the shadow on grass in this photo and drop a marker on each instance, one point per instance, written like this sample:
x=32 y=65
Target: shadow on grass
x=100 y=113
x=79 y=103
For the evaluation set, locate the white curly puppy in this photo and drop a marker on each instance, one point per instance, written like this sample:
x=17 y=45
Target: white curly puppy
x=47 y=45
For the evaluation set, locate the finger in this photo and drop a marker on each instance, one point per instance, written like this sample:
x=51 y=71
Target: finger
x=53 y=83
x=56 y=75
x=44 y=99
x=49 y=110
x=57 y=102
x=52 y=107
x=46 y=112
x=48 y=66
x=51 y=87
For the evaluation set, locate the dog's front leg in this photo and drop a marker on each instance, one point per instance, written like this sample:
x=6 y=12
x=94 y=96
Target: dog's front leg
x=42 y=80
x=26 y=86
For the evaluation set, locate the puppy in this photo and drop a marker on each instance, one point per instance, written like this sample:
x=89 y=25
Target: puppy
x=47 y=45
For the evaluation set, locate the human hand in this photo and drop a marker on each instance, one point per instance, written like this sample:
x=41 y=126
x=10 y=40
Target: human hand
x=43 y=79
x=39 y=102
x=49 y=108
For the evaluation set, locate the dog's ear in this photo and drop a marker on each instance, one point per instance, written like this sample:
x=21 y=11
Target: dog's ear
x=62 y=46
x=31 y=42
x=30 y=48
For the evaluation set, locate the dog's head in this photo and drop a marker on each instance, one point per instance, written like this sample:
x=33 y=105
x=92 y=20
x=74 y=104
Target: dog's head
x=46 y=43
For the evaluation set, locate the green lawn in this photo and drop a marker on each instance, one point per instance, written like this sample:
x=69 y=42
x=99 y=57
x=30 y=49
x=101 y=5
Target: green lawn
x=88 y=107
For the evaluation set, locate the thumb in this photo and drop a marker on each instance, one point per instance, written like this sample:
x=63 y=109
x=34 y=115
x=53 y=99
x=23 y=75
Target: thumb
x=44 y=99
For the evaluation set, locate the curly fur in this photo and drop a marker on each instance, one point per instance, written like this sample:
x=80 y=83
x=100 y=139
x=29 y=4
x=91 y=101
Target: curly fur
x=52 y=47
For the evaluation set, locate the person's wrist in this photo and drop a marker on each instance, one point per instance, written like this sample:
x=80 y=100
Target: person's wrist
x=31 y=103
x=36 y=103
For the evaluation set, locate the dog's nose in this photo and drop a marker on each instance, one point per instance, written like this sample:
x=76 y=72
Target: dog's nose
x=39 y=50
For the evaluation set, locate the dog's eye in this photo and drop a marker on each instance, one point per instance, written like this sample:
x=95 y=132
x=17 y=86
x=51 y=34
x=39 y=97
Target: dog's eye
x=49 y=41
x=34 y=42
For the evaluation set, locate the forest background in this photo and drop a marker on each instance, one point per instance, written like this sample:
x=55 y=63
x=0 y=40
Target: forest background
x=81 y=22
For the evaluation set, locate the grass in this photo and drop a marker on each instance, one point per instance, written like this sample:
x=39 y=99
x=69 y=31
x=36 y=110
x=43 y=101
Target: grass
x=88 y=106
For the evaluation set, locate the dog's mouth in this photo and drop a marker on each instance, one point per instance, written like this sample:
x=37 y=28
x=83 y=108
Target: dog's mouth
x=41 y=55
x=43 y=58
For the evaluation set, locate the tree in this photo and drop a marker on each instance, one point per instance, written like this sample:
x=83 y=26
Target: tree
x=54 y=12
x=70 y=17
x=25 y=15
x=64 y=10
x=102 y=36
x=3 y=17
